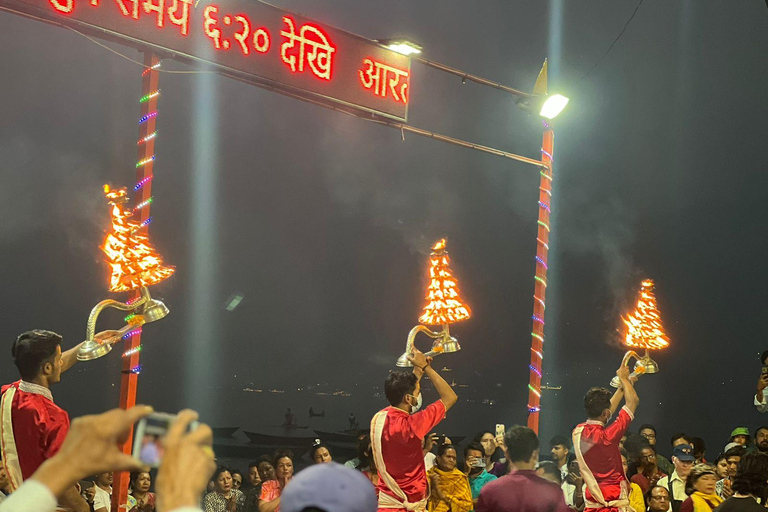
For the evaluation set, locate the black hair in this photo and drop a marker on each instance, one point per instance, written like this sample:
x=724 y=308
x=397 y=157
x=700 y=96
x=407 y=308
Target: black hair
x=646 y=426
x=699 y=447
x=316 y=447
x=474 y=446
x=399 y=384
x=521 y=443
x=720 y=456
x=253 y=464
x=363 y=454
x=763 y=356
x=480 y=435
x=32 y=350
x=561 y=441
x=752 y=474
x=647 y=495
x=596 y=401
x=759 y=429
x=624 y=453
x=135 y=474
x=736 y=451
x=444 y=448
x=548 y=468
x=236 y=472
x=313 y=509
x=678 y=436
x=219 y=471
x=280 y=454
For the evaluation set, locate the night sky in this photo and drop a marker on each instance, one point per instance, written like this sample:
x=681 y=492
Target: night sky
x=323 y=222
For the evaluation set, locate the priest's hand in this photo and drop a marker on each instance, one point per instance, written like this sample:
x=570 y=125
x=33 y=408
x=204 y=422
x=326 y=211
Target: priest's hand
x=91 y=447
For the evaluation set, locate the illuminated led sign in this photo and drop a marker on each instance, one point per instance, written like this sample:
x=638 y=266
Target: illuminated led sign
x=248 y=39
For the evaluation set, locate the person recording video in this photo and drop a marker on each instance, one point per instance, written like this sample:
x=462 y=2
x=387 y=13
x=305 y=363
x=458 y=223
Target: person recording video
x=760 y=401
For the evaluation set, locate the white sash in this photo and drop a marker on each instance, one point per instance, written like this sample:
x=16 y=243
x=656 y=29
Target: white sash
x=8 y=442
x=622 y=503
x=385 y=500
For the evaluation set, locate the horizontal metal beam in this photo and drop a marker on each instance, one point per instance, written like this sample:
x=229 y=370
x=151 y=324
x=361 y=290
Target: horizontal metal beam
x=470 y=77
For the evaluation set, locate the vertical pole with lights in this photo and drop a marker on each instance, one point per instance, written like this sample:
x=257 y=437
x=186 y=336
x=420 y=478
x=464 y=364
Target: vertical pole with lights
x=143 y=199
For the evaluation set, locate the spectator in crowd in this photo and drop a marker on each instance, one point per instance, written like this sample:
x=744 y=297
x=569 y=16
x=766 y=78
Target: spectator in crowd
x=398 y=431
x=450 y=490
x=430 y=459
x=682 y=459
x=760 y=402
x=699 y=449
x=224 y=497
x=329 y=488
x=91 y=447
x=269 y=501
x=636 y=500
x=237 y=479
x=597 y=445
x=658 y=499
x=253 y=490
x=140 y=499
x=721 y=466
x=560 y=449
x=32 y=420
x=320 y=453
x=521 y=490
x=493 y=463
x=361 y=446
x=649 y=474
x=573 y=487
x=749 y=485
x=734 y=454
x=761 y=439
x=549 y=471
x=266 y=469
x=740 y=435
x=102 y=500
x=680 y=438
x=648 y=431
x=700 y=487
x=474 y=465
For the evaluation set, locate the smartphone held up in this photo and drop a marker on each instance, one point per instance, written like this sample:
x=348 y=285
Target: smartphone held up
x=149 y=437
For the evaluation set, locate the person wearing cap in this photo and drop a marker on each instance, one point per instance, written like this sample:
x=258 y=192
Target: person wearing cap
x=740 y=435
x=733 y=454
x=330 y=487
x=700 y=487
x=682 y=460
x=398 y=431
x=760 y=400
x=596 y=444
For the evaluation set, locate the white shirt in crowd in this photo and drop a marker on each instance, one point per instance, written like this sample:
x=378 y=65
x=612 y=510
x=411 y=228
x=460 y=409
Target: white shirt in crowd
x=678 y=487
x=102 y=499
x=33 y=496
x=430 y=459
x=761 y=406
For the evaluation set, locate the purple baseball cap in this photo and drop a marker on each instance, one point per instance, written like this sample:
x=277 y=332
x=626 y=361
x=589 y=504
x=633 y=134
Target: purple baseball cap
x=330 y=487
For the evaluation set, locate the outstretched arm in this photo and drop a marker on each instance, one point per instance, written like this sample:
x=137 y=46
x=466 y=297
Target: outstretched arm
x=422 y=365
x=616 y=399
x=631 y=400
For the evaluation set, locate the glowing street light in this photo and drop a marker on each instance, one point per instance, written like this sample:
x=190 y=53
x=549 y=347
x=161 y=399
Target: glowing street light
x=402 y=46
x=553 y=105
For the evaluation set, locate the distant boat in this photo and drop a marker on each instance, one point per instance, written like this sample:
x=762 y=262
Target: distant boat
x=219 y=432
x=345 y=436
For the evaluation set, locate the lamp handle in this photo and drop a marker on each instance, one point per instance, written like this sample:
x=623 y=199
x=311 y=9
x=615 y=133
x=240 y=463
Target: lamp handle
x=109 y=303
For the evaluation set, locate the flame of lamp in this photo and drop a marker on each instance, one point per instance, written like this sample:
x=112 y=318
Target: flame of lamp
x=643 y=365
x=147 y=310
x=444 y=343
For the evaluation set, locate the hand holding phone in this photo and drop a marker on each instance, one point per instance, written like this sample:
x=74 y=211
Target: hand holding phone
x=149 y=437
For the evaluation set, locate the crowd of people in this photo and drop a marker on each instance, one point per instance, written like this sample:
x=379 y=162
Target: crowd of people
x=605 y=465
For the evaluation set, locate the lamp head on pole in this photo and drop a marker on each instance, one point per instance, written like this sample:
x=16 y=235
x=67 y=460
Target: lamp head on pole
x=548 y=106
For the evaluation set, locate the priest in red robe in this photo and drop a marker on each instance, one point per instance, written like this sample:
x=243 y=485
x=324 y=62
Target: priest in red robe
x=397 y=435
x=597 y=445
x=32 y=426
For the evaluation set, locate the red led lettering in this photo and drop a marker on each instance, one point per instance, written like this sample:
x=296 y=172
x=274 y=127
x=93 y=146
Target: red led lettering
x=210 y=25
x=261 y=40
x=242 y=36
x=150 y=6
x=133 y=13
x=182 y=19
x=65 y=7
x=381 y=79
x=319 y=57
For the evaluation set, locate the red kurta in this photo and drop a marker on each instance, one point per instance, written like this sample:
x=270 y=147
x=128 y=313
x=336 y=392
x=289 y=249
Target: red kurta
x=401 y=448
x=597 y=448
x=39 y=426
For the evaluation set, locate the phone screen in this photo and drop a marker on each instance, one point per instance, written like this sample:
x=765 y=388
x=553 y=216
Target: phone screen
x=500 y=430
x=149 y=437
x=765 y=370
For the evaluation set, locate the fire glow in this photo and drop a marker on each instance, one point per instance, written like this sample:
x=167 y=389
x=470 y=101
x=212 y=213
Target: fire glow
x=643 y=326
x=444 y=305
x=133 y=261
